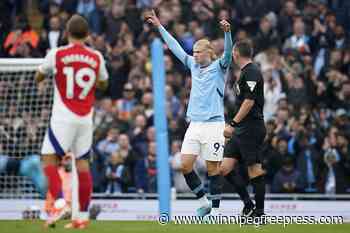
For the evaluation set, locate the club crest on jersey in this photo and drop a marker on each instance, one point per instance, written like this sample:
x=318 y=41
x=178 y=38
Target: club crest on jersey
x=251 y=85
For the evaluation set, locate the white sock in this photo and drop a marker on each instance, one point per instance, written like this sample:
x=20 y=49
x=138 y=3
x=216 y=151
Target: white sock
x=204 y=201
x=215 y=211
x=83 y=215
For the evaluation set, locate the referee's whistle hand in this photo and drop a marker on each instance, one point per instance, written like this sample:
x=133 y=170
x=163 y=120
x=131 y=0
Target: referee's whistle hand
x=228 y=131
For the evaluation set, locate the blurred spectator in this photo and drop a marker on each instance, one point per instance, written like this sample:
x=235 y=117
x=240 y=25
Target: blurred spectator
x=334 y=173
x=50 y=9
x=249 y=12
x=266 y=36
x=7 y=19
x=114 y=21
x=147 y=103
x=297 y=93
x=86 y=9
x=138 y=135
x=104 y=116
x=299 y=40
x=100 y=44
x=53 y=37
x=288 y=179
x=175 y=163
x=308 y=161
x=126 y=104
x=115 y=174
x=109 y=145
x=151 y=168
x=285 y=20
x=130 y=158
x=97 y=18
x=272 y=93
x=22 y=41
x=119 y=70
x=341 y=41
x=174 y=105
x=276 y=157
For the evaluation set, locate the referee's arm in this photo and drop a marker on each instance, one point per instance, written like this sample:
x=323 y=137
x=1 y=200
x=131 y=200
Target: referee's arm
x=244 y=110
x=250 y=94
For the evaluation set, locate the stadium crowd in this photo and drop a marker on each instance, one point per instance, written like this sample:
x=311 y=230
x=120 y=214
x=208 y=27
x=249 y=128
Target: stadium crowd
x=302 y=46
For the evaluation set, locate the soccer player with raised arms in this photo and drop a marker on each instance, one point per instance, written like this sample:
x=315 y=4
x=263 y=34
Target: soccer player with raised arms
x=204 y=136
x=77 y=71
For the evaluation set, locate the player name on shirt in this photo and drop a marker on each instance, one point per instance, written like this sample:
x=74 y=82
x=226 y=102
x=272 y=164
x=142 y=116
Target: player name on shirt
x=79 y=58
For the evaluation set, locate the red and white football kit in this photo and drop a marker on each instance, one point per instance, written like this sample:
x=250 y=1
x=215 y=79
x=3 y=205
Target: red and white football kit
x=76 y=70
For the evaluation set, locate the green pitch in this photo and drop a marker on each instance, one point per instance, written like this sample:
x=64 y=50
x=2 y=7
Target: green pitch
x=153 y=227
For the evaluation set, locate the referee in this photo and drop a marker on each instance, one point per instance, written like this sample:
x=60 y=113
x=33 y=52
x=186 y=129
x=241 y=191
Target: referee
x=246 y=132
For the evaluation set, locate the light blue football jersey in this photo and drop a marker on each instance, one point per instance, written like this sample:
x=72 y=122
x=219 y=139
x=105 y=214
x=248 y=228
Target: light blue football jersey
x=208 y=83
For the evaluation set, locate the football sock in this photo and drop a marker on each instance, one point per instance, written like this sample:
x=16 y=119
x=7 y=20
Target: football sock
x=259 y=189
x=203 y=201
x=85 y=189
x=195 y=184
x=215 y=189
x=240 y=187
x=54 y=181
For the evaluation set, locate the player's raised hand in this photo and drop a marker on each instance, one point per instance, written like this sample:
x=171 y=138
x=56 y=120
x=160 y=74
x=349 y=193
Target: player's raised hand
x=225 y=26
x=152 y=18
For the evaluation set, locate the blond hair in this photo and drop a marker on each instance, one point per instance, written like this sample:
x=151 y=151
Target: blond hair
x=204 y=44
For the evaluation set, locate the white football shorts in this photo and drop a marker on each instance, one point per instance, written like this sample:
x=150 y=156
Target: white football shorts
x=63 y=136
x=205 y=139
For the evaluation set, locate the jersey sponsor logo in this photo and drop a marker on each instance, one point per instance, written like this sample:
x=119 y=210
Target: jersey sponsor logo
x=251 y=85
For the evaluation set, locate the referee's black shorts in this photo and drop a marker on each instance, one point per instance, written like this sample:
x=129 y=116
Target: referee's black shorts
x=247 y=145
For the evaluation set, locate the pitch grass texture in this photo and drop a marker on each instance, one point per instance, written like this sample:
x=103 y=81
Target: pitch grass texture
x=28 y=226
